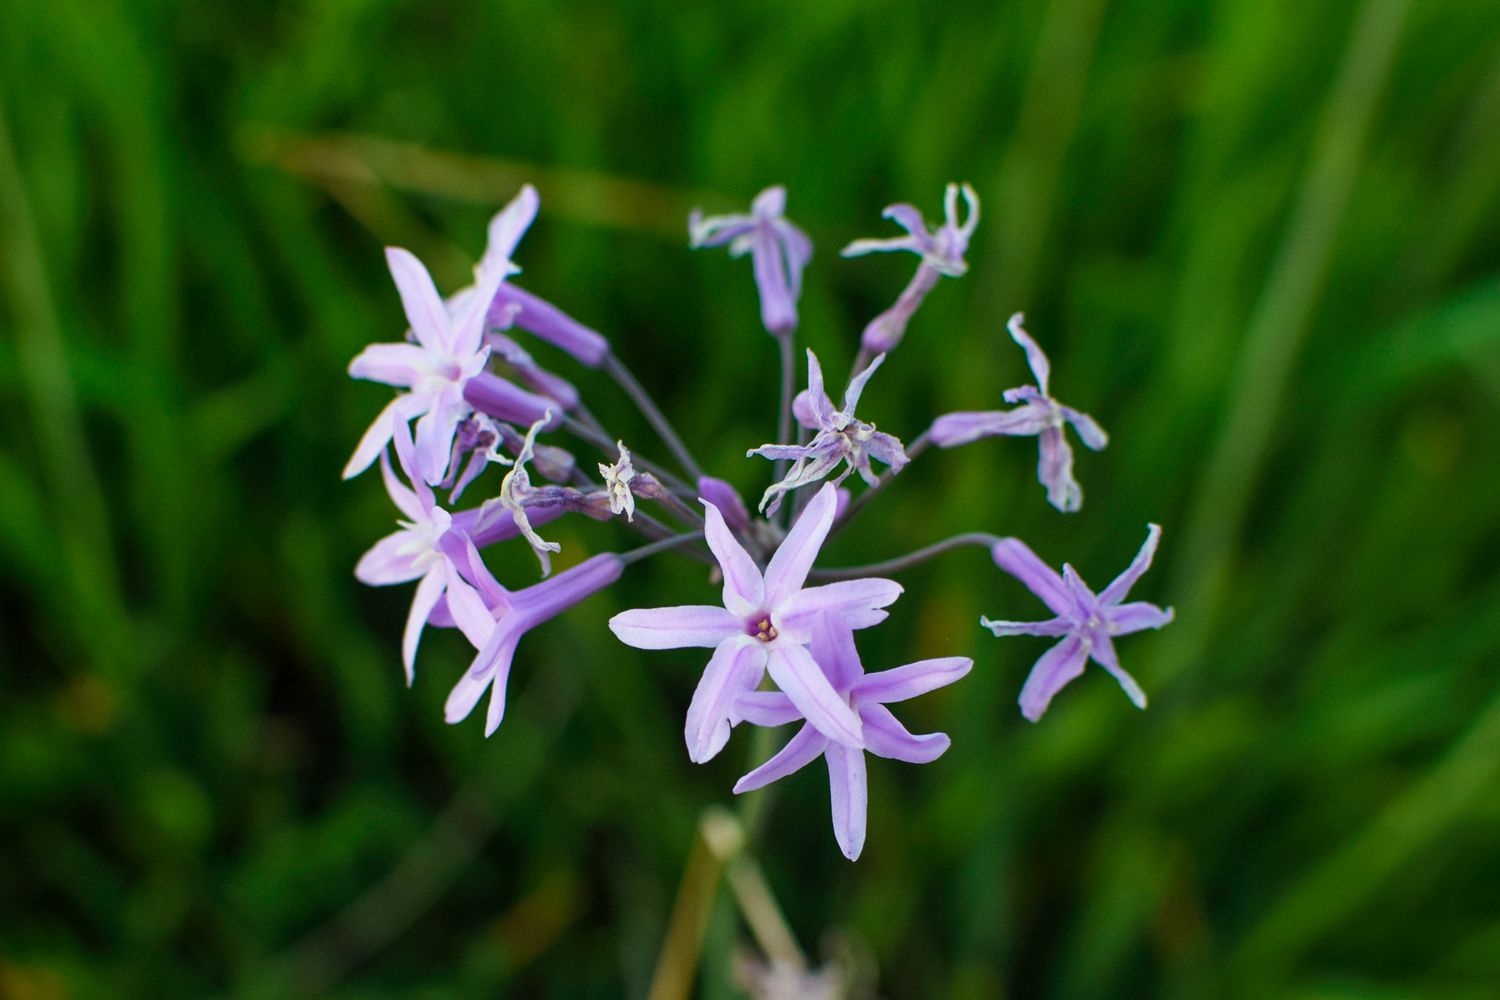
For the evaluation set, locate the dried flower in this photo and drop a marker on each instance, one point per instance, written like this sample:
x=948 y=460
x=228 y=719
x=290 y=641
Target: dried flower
x=1038 y=414
x=516 y=492
x=1087 y=623
x=617 y=479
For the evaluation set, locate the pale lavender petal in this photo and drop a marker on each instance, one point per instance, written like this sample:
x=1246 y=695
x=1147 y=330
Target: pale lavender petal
x=805 y=411
x=419 y=298
x=378 y=435
x=804 y=748
x=468 y=610
x=743 y=589
x=401 y=365
x=386 y=562
x=798 y=613
x=463 y=555
x=727 y=499
x=545 y=321
x=857 y=384
x=401 y=495
x=1055 y=471
x=735 y=669
x=859 y=248
x=427 y=594
x=885 y=736
x=954 y=429
x=765 y=708
x=1057 y=666
x=467 y=323
x=675 y=628
x=778 y=305
x=781 y=452
x=509 y=225
x=1137 y=616
x=770 y=203
x=717 y=230
x=406 y=455
x=435 y=432
x=848 y=796
x=908 y=217
x=1120 y=586
x=832 y=647
x=1035 y=357
x=887 y=448
x=1089 y=431
x=819 y=406
x=796 y=673
x=1051 y=627
x=911 y=680
x=477 y=463
x=1013 y=556
x=798 y=249
x=1103 y=652
x=790 y=565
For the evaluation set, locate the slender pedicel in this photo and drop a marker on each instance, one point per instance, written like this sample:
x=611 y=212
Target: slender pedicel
x=643 y=401
x=899 y=563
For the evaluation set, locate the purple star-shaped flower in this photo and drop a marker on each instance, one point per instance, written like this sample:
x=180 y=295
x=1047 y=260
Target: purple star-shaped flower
x=839 y=437
x=779 y=252
x=868 y=694
x=942 y=251
x=494 y=620
x=1038 y=414
x=414 y=552
x=765 y=624
x=1087 y=622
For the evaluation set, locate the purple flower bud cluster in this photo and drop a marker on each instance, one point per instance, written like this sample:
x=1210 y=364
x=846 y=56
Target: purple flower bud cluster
x=782 y=635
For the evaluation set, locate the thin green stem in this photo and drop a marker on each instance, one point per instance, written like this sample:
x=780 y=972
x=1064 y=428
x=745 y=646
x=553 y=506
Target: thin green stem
x=636 y=555
x=918 y=445
x=627 y=381
x=909 y=560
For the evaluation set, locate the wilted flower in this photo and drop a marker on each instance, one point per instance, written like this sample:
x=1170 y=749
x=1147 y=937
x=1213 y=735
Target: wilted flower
x=942 y=252
x=1087 y=622
x=617 y=479
x=516 y=491
x=840 y=437
x=1038 y=414
x=765 y=624
x=779 y=252
x=833 y=649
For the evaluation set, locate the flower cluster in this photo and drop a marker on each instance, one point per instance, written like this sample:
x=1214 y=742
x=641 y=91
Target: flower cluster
x=783 y=634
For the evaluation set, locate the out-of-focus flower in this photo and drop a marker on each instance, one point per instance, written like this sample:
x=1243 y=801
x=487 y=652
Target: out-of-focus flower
x=1086 y=622
x=766 y=622
x=942 y=251
x=779 y=252
x=839 y=437
x=617 y=478
x=494 y=620
x=833 y=649
x=727 y=500
x=1038 y=414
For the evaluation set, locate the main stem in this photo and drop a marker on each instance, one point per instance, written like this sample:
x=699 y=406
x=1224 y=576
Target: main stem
x=909 y=560
x=918 y=445
x=643 y=401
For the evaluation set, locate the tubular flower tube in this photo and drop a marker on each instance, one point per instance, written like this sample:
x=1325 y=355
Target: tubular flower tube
x=868 y=694
x=942 y=251
x=765 y=624
x=1086 y=623
x=1040 y=415
x=840 y=437
x=779 y=253
x=494 y=620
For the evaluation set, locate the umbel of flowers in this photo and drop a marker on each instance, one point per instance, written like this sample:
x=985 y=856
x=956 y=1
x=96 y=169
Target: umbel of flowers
x=781 y=634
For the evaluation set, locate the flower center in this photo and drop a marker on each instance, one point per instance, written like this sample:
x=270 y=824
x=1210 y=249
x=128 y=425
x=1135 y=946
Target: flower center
x=760 y=626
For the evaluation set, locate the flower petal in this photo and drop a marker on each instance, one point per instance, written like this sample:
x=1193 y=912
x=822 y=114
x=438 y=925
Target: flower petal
x=744 y=591
x=387 y=562
x=765 y=708
x=1013 y=556
x=435 y=432
x=675 y=628
x=1035 y=357
x=832 y=647
x=427 y=594
x=819 y=407
x=796 y=673
x=393 y=364
x=911 y=680
x=800 y=750
x=735 y=669
x=848 y=797
x=1120 y=585
x=840 y=602
x=419 y=298
x=1103 y=652
x=1055 y=471
x=406 y=454
x=1089 y=431
x=378 y=435
x=885 y=736
x=1050 y=627
x=468 y=610
x=790 y=565
x=508 y=226
x=954 y=429
x=857 y=385
x=1057 y=666
x=401 y=495
x=1137 y=616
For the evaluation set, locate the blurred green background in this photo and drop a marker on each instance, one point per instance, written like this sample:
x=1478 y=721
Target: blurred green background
x=1258 y=239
